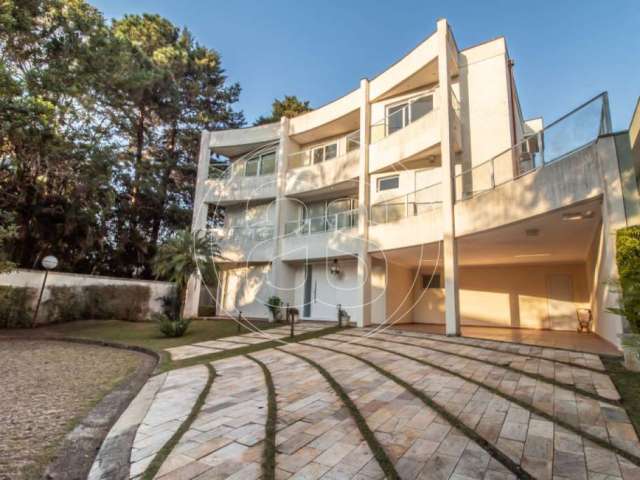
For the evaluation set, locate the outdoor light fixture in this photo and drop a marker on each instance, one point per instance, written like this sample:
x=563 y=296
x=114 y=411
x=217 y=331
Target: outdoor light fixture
x=576 y=216
x=335 y=268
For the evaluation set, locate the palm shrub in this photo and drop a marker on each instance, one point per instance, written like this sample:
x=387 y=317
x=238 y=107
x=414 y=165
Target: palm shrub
x=180 y=258
x=171 y=327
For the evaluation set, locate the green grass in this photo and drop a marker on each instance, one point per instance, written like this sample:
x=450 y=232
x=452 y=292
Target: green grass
x=374 y=445
x=628 y=385
x=269 y=450
x=167 y=448
x=146 y=334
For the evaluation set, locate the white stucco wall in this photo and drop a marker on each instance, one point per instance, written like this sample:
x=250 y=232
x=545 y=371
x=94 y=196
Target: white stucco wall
x=247 y=289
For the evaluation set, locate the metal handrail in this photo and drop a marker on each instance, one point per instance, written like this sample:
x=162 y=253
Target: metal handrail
x=240 y=232
x=524 y=147
x=308 y=152
x=228 y=172
x=405 y=205
x=328 y=223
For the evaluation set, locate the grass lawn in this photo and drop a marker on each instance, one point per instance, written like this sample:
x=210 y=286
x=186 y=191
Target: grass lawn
x=628 y=384
x=146 y=334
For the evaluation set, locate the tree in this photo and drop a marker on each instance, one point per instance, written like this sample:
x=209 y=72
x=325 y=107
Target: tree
x=7 y=232
x=290 y=106
x=183 y=91
x=181 y=256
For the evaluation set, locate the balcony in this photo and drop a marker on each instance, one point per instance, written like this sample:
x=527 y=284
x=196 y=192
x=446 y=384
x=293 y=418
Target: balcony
x=253 y=243
x=321 y=237
x=323 y=166
x=410 y=130
x=250 y=178
x=407 y=220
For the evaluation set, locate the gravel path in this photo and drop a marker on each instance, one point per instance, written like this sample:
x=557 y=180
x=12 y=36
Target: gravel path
x=46 y=386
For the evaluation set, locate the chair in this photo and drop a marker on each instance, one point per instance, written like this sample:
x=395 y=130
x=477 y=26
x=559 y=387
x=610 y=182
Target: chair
x=585 y=318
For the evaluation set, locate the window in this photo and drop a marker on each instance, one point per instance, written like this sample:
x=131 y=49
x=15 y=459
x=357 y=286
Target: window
x=251 y=167
x=388 y=183
x=353 y=141
x=268 y=163
x=429 y=281
x=402 y=114
x=324 y=153
x=264 y=164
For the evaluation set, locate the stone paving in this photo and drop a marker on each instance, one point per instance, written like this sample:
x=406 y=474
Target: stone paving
x=238 y=341
x=579 y=377
x=603 y=420
x=170 y=407
x=419 y=442
x=317 y=437
x=225 y=440
x=541 y=447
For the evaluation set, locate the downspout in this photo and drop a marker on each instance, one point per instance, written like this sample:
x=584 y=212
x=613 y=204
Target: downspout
x=510 y=64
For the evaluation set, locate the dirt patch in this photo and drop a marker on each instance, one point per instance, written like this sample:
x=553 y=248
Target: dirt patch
x=47 y=388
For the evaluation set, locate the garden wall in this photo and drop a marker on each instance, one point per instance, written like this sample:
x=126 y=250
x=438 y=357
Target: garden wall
x=68 y=291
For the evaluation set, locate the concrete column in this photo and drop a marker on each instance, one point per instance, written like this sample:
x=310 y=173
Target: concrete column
x=364 y=260
x=199 y=220
x=281 y=273
x=452 y=302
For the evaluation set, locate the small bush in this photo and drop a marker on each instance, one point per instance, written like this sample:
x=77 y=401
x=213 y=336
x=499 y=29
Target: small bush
x=171 y=328
x=65 y=304
x=274 y=304
x=16 y=309
x=628 y=260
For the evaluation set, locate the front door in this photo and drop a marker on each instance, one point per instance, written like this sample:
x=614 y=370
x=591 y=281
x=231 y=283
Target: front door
x=306 y=310
x=562 y=311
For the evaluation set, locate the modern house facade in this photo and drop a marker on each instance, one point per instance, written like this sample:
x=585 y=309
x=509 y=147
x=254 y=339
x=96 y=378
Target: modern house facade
x=422 y=196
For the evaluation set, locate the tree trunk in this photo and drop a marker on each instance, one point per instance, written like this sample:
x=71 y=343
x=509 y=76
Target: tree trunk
x=164 y=184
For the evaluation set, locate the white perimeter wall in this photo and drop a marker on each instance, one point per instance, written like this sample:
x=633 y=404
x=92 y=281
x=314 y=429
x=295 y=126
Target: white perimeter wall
x=246 y=289
x=34 y=278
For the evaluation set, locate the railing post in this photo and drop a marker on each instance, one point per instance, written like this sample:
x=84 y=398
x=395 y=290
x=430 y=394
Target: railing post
x=239 y=321
x=286 y=312
x=493 y=174
x=340 y=315
x=291 y=333
x=540 y=140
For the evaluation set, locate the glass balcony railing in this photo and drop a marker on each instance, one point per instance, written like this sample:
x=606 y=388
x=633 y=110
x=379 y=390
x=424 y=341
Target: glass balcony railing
x=325 y=223
x=571 y=133
x=408 y=205
x=256 y=233
x=325 y=152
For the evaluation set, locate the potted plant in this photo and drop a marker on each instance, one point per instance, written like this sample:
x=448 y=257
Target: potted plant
x=274 y=304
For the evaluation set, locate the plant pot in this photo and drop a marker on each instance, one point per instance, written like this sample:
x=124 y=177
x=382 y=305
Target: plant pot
x=631 y=350
x=277 y=315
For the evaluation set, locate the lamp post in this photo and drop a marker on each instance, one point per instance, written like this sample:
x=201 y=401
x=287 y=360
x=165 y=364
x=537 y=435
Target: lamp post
x=49 y=263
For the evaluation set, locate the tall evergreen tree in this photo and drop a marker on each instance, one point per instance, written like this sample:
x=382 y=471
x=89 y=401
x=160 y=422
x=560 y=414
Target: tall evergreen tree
x=290 y=106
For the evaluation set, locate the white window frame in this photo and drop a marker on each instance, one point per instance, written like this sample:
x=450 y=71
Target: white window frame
x=407 y=117
x=323 y=149
x=259 y=168
x=387 y=177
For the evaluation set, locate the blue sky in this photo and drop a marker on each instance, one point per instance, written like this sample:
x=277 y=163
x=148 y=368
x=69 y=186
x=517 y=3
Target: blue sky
x=565 y=51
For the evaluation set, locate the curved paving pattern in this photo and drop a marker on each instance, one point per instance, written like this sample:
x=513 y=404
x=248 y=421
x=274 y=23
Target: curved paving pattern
x=543 y=448
x=225 y=440
x=238 y=341
x=420 y=443
x=438 y=407
x=170 y=407
x=579 y=377
x=316 y=436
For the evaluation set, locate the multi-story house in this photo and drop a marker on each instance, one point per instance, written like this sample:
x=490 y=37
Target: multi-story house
x=421 y=196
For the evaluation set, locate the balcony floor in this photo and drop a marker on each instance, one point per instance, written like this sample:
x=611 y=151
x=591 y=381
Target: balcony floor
x=583 y=342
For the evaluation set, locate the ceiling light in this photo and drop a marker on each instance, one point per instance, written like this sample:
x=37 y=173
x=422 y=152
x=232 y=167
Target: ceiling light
x=577 y=216
x=530 y=255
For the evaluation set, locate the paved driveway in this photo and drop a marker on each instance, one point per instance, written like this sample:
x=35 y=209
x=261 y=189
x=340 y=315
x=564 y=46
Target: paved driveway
x=396 y=405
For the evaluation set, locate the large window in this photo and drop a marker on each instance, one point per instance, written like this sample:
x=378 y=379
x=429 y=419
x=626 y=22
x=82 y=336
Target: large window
x=324 y=152
x=264 y=164
x=390 y=182
x=402 y=114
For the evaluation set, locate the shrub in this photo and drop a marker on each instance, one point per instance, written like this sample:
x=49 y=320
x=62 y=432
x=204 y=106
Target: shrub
x=274 y=304
x=98 y=302
x=628 y=260
x=16 y=306
x=171 y=328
